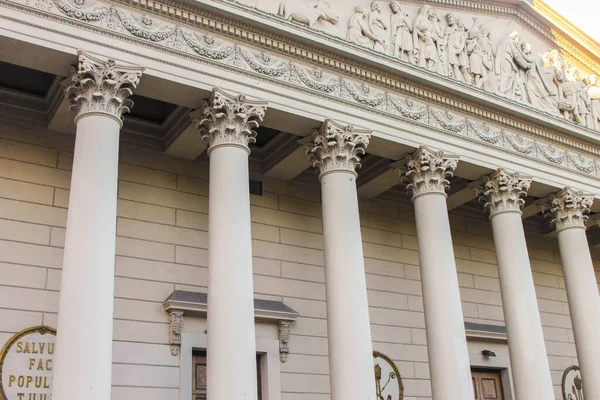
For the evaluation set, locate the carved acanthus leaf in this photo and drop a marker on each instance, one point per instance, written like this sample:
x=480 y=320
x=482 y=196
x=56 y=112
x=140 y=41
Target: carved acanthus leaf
x=567 y=208
x=99 y=86
x=503 y=191
x=229 y=119
x=337 y=147
x=426 y=171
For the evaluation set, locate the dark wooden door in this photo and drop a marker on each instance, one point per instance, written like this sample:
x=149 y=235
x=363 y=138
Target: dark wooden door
x=487 y=385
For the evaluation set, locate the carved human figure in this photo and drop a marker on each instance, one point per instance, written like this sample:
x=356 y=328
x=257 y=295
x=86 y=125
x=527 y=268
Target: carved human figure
x=539 y=88
x=509 y=66
x=568 y=94
x=593 y=92
x=359 y=31
x=307 y=14
x=423 y=39
x=475 y=54
x=584 y=102
x=438 y=37
x=455 y=44
x=488 y=58
x=376 y=25
x=402 y=29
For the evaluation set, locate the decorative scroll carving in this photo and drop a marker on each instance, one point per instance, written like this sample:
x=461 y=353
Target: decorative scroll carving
x=229 y=120
x=284 y=339
x=567 y=208
x=503 y=191
x=336 y=147
x=426 y=171
x=99 y=86
x=572 y=385
x=175 y=330
x=307 y=14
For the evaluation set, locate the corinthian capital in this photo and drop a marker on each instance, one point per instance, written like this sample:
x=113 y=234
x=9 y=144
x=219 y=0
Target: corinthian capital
x=426 y=171
x=567 y=208
x=101 y=86
x=229 y=119
x=337 y=147
x=503 y=191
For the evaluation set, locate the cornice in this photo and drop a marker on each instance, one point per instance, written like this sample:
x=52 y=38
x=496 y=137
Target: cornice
x=282 y=69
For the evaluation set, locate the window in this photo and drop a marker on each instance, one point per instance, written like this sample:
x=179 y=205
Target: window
x=199 y=376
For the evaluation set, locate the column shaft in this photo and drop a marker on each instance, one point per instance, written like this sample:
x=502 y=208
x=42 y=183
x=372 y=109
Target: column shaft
x=584 y=305
x=231 y=334
x=528 y=358
x=446 y=340
x=350 y=348
x=85 y=315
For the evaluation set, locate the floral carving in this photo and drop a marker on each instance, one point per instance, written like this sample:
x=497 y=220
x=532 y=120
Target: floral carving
x=426 y=171
x=263 y=63
x=337 y=147
x=567 y=208
x=229 y=120
x=144 y=27
x=209 y=48
x=552 y=154
x=521 y=143
x=74 y=10
x=503 y=191
x=409 y=109
x=284 y=339
x=451 y=122
x=99 y=86
x=175 y=330
x=363 y=95
x=581 y=163
x=316 y=81
x=485 y=132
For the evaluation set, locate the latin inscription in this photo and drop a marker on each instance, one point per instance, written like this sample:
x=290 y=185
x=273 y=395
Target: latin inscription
x=26 y=365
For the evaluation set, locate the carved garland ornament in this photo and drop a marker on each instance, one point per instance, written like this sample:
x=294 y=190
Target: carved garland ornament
x=99 y=86
x=336 y=147
x=98 y=17
x=229 y=120
x=503 y=191
x=426 y=171
x=567 y=208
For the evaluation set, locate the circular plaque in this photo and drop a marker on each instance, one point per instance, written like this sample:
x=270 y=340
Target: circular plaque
x=26 y=365
x=388 y=382
x=571 y=384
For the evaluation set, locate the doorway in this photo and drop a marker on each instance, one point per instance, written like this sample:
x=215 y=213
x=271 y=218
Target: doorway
x=487 y=384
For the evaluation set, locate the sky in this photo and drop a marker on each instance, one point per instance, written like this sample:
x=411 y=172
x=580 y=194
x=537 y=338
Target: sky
x=585 y=14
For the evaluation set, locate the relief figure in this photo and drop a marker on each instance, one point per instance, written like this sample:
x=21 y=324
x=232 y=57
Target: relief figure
x=540 y=89
x=475 y=55
x=425 y=47
x=509 y=65
x=402 y=29
x=376 y=25
x=455 y=44
x=593 y=92
x=488 y=59
x=568 y=96
x=359 y=31
x=307 y=14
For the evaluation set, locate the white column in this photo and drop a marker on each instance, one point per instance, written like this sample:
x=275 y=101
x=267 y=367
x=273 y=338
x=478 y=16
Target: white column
x=427 y=172
x=502 y=192
x=336 y=151
x=568 y=208
x=227 y=122
x=98 y=91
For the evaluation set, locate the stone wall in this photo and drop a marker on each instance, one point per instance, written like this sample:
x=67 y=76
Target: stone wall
x=161 y=246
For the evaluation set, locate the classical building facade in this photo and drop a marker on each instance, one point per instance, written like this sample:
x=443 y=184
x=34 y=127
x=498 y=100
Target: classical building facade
x=298 y=200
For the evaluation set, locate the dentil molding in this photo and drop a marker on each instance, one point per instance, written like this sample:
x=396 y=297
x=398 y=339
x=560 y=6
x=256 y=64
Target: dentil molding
x=426 y=171
x=229 y=119
x=387 y=97
x=101 y=86
x=567 y=208
x=337 y=147
x=503 y=191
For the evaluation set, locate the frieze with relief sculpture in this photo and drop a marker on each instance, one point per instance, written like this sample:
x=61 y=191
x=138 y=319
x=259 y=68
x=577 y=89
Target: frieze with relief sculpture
x=321 y=81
